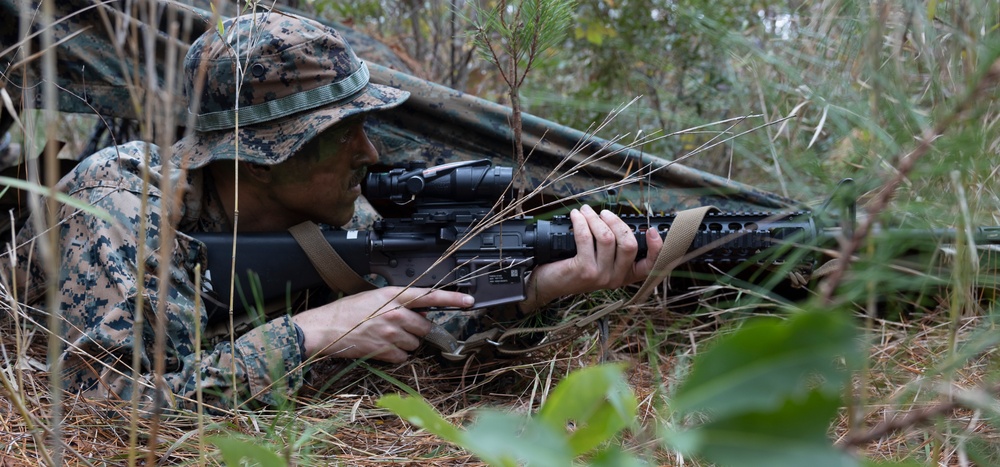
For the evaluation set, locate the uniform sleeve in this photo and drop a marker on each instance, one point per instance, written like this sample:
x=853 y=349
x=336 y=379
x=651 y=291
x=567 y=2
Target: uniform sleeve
x=100 y=292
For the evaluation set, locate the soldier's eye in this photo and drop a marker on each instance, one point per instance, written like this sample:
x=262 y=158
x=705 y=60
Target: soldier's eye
x=353 y=131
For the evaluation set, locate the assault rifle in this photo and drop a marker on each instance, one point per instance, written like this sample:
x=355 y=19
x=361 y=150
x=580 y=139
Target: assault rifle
x=453 y=241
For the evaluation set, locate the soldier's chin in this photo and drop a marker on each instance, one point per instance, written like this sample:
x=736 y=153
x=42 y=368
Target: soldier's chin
x=342 y=221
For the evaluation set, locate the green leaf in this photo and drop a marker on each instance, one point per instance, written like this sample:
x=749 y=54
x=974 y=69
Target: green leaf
x=597 y=400
x=511 y=440
x=602 y=426
x=418 y=412
x=595 y=36
x=235 y=451
x=497 y=438
x=218 y=26
x=614 y=457
x=768 y=361
x=594 y=31
x=793 y=435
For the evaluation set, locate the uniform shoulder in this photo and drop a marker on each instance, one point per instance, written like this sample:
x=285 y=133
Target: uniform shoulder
x=121 y=165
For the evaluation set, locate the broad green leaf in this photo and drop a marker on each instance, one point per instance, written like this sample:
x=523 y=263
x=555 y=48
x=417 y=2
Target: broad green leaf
x=602 y=425
x=614 y=457
x=236 y=451
x=497 y=438
x=793 y=435
x=768 y=361
x=418 y=412
x=597 y=400
x=513 y=440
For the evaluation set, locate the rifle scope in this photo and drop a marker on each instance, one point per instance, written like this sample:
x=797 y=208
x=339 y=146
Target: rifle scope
x=466 y=181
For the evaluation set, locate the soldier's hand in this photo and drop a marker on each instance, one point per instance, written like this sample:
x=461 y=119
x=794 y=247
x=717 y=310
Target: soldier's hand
x=605 y=259
x=378 y=323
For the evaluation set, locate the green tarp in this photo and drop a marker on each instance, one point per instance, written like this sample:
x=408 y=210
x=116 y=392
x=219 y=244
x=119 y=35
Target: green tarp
x=106 y=57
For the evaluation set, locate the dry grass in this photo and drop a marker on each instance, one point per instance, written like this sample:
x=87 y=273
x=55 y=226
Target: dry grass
x=336 y=420
x=927 y=393
x=340 y=415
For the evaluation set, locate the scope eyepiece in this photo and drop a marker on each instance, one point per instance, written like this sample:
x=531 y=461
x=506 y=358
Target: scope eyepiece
x=458 y=181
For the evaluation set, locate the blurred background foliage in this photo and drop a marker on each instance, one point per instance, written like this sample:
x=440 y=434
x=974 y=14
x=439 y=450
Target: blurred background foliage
x=846 y=86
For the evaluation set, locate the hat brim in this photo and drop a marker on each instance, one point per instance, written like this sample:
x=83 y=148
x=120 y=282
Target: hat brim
x=274 y=142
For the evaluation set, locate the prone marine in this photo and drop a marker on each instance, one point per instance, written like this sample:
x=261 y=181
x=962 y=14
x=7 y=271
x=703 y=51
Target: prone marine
x=296 y=150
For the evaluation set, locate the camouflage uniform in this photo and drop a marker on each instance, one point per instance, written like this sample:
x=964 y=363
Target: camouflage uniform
x=300 y=78
x=98 y=287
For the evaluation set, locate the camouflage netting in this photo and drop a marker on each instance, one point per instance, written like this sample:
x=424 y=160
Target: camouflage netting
x=97 y=72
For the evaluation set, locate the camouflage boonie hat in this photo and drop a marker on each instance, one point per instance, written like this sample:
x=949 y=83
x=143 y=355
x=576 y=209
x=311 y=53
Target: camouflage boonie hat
x=299 y=77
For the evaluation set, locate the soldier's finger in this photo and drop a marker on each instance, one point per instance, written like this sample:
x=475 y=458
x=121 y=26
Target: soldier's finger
x=582 y=236
x=415 y=297
x=625 y=246
x=654 y=243
x=605 y=239
x=393 y=355
x=408 y=342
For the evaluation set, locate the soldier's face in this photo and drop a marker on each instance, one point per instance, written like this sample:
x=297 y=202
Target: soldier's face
x=323 y=180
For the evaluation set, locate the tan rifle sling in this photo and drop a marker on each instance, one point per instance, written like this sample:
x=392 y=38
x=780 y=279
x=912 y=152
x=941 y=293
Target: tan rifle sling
x=328 y=263
x=675 y=247
x=340 y=277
